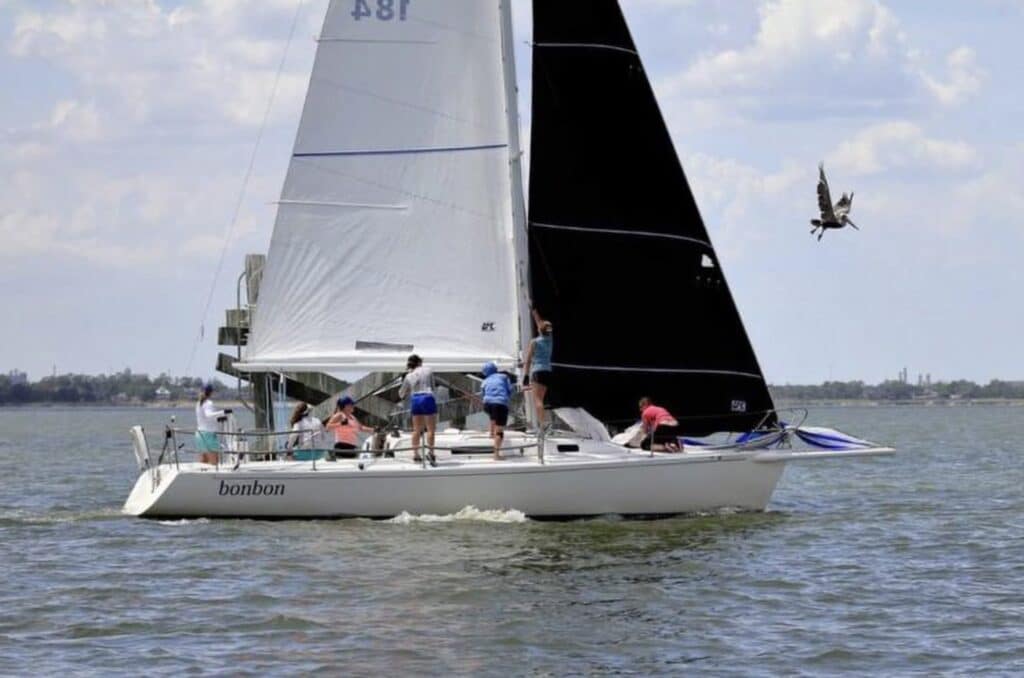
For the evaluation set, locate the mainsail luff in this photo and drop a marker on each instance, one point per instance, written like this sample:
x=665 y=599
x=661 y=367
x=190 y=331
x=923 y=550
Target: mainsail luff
x=620 y=257
x=395 y=226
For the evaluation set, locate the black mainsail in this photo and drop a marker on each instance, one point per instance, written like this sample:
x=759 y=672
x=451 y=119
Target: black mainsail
x=620 y=260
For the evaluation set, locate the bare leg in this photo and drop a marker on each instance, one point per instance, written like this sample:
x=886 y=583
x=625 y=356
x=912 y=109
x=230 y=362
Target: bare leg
x=417 y=430
x=431 y=422
x=539 y=391
x=499 y=437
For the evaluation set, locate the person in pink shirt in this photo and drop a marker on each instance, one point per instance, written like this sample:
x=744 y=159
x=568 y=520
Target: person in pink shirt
x=661 y=427
x=346 y=427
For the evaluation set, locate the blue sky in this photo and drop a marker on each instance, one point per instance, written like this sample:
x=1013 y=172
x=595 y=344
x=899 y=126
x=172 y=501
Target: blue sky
x=126 y=129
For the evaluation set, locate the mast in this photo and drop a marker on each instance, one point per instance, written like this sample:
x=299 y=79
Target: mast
x=515 y=153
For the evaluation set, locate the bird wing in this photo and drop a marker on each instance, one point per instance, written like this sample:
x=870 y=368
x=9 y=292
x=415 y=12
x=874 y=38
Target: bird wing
x=824 y=198
x=842 y=207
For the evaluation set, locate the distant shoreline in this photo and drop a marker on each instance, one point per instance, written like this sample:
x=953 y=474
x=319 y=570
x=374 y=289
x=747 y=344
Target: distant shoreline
x=919 y=402
x=171 y=405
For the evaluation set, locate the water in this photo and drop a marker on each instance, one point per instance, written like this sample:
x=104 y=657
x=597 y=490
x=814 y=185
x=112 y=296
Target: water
x=904 y=565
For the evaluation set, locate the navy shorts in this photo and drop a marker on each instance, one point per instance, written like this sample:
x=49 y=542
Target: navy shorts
x=661 y=436
x=542 y=377
x=497 y=412
x=423 y=404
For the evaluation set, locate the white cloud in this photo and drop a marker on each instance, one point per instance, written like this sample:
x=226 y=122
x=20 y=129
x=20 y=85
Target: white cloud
x=900 y=145
x=214 y=62
x=994 y=198
x=964 y=78
x=833 y=39
x=156 y=120
x=739 y=202
x=76 y=121
x=812 y=58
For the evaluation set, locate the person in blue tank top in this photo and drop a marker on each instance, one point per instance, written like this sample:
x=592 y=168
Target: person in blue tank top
x=497 y=392
x=538 y=364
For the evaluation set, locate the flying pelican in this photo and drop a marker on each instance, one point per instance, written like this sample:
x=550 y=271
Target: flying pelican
x=835 y=216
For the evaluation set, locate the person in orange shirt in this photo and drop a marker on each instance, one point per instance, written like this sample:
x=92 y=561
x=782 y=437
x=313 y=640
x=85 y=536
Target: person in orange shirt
x=345 y=426
x=661 y=427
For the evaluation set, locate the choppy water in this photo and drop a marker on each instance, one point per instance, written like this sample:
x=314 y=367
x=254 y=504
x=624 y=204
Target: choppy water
x=907 y=565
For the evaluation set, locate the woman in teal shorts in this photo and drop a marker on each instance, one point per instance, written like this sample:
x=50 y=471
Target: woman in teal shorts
x=208 y=419
x=538 y=364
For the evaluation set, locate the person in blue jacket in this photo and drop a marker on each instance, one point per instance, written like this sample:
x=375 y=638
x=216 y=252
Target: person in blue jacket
x=497 y=391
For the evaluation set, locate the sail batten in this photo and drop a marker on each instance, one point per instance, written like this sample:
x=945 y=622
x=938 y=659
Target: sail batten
x=590 y=45
x=398 y=151
x=621 y=261
x=620 y=231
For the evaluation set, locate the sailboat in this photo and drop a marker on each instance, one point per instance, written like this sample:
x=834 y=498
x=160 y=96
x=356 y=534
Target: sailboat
x=402 y=227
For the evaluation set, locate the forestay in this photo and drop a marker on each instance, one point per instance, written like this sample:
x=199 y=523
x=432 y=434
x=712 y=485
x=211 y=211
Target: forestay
x=394 y=231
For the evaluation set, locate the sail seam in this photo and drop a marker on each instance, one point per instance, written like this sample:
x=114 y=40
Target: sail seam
x=400 y=151
x=670 y=370
x=645 y=234
x=378 y=42
x=321 y=203
x=590 y=45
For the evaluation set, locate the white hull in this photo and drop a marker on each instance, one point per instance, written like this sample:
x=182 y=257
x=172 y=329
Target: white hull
x=601 y=478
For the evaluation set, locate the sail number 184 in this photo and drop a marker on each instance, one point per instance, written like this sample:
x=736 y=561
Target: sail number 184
x=386 y=10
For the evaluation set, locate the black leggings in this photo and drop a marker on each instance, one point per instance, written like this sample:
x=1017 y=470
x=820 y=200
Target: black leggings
x=660 y=436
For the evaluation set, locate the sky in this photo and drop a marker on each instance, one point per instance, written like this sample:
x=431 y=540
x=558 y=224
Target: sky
x=127 y=128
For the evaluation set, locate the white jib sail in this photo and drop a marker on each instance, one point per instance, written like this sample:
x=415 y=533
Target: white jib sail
x=394 y=232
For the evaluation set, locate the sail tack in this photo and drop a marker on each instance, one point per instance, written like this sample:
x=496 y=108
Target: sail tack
x=394 y=230
x=620 y=259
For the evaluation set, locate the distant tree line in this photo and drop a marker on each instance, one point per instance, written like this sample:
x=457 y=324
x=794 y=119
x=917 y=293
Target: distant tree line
x=900 y=390
x=127 y=387
x=121 y=388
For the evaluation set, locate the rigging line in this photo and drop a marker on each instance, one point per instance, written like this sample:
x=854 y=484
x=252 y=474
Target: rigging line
x=616 y=231
x=409 y=194
x=403 y=103
x=245 y=184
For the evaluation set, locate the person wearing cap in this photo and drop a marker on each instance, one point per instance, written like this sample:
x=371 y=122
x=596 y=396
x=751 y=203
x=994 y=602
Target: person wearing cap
x=306 y=428
x=345 y=426
x=497 y=391
x=208 y=420
x=538 y=364
x=418 y=386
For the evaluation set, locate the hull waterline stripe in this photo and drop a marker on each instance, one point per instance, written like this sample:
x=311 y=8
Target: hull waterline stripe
x=666 y=370
x=616 y=231
x=401 y=151
x=587 y=45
